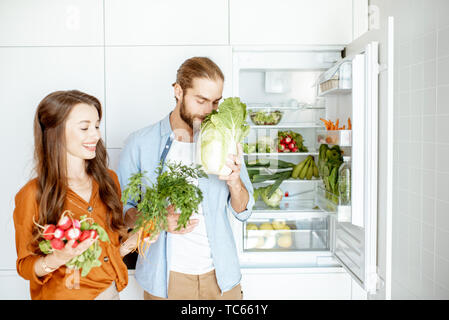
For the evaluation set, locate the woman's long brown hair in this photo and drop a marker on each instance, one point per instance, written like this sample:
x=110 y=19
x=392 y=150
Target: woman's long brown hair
x=51 y=161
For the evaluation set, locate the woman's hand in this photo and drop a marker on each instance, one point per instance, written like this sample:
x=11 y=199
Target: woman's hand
x=131 y=243
x=61 y=257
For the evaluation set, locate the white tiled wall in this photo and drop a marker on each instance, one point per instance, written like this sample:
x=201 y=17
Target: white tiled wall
x=421 y=181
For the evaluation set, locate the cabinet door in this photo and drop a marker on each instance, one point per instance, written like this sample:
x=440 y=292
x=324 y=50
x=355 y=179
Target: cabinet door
x=166 y=22
x=139 y=84
x=290 y=22
x=308 y=284
x=51 y=22
x=27 y=76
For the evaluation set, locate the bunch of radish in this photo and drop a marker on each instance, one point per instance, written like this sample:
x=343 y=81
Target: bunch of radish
x=56 y=237
x=65 y=231
x=287 y=144
x=291 y=141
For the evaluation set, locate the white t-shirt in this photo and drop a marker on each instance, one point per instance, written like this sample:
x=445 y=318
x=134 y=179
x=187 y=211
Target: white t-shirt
x=190 y=252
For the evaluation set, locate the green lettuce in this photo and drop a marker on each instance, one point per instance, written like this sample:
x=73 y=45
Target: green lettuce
x=220 y=132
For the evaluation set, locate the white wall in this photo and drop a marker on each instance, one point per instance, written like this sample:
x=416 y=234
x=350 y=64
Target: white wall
x=420 y=256
x=126 y=54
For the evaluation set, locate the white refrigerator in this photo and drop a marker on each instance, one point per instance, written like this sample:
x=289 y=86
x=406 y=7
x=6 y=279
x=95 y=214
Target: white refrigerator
x=304 y=84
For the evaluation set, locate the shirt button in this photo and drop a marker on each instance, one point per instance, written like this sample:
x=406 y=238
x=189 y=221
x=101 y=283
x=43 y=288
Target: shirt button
x=106 y=259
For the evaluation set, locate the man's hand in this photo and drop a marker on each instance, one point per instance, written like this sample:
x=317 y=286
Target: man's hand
x=172 y=222
x=235 y=164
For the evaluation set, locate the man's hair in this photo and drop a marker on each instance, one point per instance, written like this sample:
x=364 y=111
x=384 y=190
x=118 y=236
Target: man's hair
x=197 y=67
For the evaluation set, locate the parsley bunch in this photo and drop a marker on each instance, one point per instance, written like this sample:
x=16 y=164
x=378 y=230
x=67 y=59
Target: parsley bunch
x=172 y=186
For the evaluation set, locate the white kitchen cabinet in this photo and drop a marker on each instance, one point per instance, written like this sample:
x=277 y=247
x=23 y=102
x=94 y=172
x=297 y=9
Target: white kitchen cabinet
x=168 y=22
x=51 y=23
x=139 y=82
x=296 y=283
x=291 y=22
x=13 y=287
x=114 y=157
x=27 y=76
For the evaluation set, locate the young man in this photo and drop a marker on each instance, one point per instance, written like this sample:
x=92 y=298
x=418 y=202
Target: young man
x=199 y=261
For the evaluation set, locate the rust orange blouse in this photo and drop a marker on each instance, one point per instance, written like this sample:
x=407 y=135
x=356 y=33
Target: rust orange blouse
x=64 y=283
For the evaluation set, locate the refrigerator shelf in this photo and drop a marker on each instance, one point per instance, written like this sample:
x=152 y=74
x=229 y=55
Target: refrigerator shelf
x=343 y=138
x=305 y=125
x=314 y=180
x=276 y=154
x=330 y=203
x=288 y=205
x=335 y=91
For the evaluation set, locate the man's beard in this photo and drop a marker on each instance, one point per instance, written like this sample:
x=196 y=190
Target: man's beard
x=193 y=121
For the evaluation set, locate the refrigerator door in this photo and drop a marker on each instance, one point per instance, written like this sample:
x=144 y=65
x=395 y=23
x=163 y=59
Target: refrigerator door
x=354 y=243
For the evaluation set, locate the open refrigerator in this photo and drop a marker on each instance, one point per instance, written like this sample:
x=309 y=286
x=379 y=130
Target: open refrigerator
x=293 y=89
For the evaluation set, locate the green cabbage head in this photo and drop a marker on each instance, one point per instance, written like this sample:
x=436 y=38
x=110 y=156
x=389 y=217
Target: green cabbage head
x=220 y=132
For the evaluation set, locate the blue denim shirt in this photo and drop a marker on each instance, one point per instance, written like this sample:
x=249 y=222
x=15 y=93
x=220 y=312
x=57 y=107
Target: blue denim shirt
x=142 y=152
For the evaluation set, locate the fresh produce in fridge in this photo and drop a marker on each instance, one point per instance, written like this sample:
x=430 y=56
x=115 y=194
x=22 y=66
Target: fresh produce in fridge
x=251 y=226
x=306 y=169
x=331 y=126
x=264 y=144
x=290 y=141
x=172 y=187
x=220 y=132
x=285 y=240
x=272 y=200
x=329 y=161
x=266 y=226
x=263 y=117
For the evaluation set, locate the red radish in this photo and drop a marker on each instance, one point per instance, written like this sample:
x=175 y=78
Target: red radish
x=57 y=244
x=282 y=147
x=59 y=233
x=287 y=139
x=283 y=141
x=76 y=223
x=49 y=231
x=84 y=235
x=286 y=193
x=94 y=234
x=75 y=244
x=291 y=146
x=287 y=150
x=72 y=233
x=65 y=223
x=295 y=149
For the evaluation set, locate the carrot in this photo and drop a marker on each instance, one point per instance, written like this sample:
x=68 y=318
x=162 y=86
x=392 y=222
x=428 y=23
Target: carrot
x=344 y=127
x=349 y=124
x=336 y=124
x=326 y=123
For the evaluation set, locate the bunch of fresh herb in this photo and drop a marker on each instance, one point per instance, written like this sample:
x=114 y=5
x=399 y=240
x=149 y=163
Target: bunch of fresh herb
x=172 y=187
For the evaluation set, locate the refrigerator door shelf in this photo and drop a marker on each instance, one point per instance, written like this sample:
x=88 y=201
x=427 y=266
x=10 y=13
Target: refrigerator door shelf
x=342 y=138
x=330 y=203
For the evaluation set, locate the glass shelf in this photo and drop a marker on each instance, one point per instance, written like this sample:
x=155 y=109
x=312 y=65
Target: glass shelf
x=299 y=125
x=288 y=205
x=282 y=154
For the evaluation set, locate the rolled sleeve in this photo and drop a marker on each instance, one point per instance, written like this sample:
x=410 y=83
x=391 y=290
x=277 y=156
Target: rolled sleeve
x=129 y=164
x=25 y=268
x=244 y=215
x=25 y=210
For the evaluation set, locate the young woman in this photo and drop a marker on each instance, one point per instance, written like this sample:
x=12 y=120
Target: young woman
x=72 y=174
